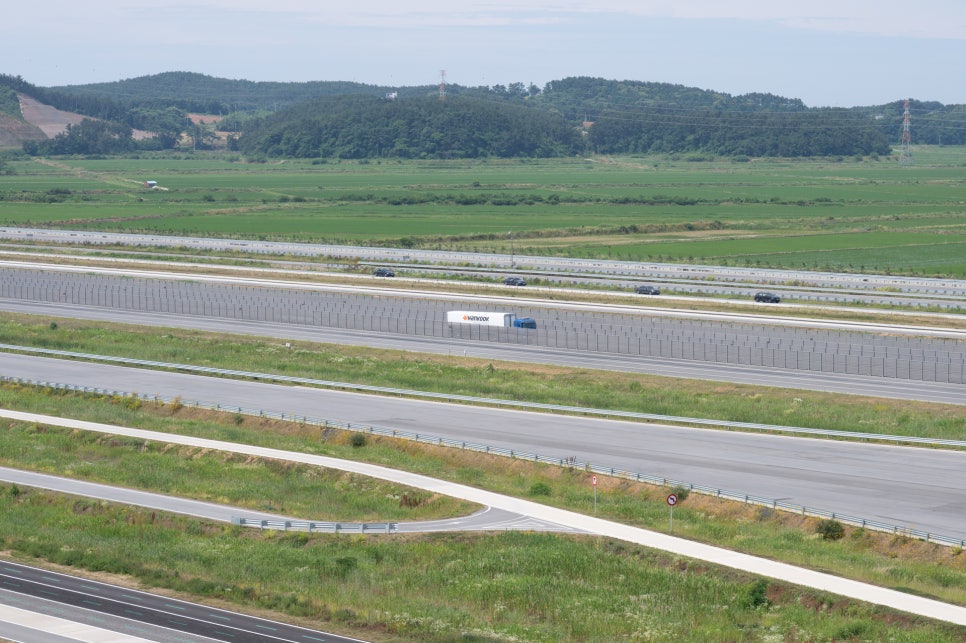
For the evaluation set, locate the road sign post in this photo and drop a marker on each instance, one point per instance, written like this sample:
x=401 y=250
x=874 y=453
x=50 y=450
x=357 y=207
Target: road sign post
x=594 y=480
x=672 y=500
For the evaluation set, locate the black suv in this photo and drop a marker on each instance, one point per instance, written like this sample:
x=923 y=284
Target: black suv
x=514 y=281
x=767 y=297
x=383 y=272
x=647 y=290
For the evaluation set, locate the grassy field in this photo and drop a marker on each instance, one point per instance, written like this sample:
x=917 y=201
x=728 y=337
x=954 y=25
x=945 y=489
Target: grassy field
x=435 y=587
x=825 y=214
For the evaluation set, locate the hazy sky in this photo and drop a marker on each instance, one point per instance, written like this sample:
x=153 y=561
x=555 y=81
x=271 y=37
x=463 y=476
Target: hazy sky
x=825 y=52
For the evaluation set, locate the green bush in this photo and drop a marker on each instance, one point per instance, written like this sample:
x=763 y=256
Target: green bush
x=755 y=595
x=539 y=489
x=682 y=493
x=830 y=529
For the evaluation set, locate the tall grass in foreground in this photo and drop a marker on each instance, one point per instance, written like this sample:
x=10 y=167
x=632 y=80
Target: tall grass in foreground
x=443 y=587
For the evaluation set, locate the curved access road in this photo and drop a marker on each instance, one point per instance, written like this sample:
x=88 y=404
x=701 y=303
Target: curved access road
x=915 y=488
x=752 y=564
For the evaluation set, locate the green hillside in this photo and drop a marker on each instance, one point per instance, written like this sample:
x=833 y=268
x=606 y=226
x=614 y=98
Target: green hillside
x=335 y=119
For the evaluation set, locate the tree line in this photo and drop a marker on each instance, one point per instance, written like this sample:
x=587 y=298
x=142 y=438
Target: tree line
x=473 y=128
x=365 y=127
x=813 y=133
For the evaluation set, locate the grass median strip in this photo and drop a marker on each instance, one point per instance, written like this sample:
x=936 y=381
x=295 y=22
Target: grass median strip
x=491 y=379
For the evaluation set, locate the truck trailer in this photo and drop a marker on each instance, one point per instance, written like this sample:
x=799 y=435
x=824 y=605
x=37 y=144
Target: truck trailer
x=489 y=319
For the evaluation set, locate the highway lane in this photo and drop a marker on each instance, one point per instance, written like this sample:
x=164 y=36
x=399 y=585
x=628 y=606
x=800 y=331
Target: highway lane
x=498 y=298
x=923 y=489
x=155 y=610
x=758 y=376
x=673 y=287
x=638 y=269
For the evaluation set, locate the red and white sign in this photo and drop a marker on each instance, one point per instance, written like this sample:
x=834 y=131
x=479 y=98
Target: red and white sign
x=594 y=480
x=672 y=500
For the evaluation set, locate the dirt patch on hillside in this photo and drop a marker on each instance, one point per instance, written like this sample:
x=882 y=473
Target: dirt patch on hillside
x=50 y=120
x=204 y=119
x=15 y=132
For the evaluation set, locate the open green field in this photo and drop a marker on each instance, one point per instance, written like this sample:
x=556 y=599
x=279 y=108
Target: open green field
x=827 y=214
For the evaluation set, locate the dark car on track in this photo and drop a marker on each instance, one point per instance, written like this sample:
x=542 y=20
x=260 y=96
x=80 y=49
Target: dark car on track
x=514 y=281
x=647 y=290
x=383 y=272
x=767 y=297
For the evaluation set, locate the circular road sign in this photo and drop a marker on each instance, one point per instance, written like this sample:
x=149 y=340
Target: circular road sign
x=595 y=480
x=672 y=500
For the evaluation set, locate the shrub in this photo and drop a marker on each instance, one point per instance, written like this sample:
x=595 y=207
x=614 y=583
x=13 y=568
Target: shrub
x=682 y=493
x=539 y=489
x=755 y=595
x=830 y=529
x=412 y=500
x=358 y=440
x=344 y=565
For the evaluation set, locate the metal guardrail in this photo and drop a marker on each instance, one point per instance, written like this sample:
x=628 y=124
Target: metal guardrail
x=577 y=410
x=570 y=462
x=313 y=526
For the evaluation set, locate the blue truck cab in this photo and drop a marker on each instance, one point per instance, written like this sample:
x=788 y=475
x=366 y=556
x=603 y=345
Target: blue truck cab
x=524 y=322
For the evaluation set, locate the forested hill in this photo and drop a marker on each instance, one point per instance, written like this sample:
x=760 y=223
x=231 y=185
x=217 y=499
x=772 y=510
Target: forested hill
x=577 y=98
x=572 y=115
x=418 y=127
x=209 y=95
x=588 y=99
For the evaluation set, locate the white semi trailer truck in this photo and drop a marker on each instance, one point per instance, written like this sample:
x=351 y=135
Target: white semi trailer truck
x=489 y=319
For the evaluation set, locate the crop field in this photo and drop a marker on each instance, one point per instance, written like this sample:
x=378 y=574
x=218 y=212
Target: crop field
x=827 y=214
